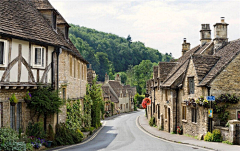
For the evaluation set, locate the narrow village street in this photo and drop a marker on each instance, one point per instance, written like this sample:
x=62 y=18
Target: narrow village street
x=123 y=134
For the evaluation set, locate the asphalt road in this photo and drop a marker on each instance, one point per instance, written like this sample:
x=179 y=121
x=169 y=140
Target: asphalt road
x=123 y=134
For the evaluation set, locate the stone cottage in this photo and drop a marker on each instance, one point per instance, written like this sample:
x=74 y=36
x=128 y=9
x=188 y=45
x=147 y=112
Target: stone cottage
x=35 y=50
x=210 y=68
x=121 y=95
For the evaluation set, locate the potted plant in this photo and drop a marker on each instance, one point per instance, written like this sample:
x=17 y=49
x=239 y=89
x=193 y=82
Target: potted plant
x=179 y=130
x=13 y=100
x=205 y=103
x=27 y=98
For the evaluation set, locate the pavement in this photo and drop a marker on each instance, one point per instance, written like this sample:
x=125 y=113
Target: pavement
x=181 y=139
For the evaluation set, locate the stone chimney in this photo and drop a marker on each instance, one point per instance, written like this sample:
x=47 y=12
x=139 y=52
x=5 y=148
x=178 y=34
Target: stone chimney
x=205 y=34
x=106 y=78
x=220 y=34
x=185 y=46
x=118 y=78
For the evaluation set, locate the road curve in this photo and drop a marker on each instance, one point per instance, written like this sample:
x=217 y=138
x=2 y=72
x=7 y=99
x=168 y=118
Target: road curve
x=123 y=134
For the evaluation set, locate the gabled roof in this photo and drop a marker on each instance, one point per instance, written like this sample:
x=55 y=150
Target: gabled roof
x=226 y=55
x=164 y=69
x=19 y=19
x=109 y=92
x=116 y=87
x=203 y=64
x=41 y=4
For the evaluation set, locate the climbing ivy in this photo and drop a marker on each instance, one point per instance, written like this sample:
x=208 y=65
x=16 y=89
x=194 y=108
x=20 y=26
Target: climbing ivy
x=222 y=103
x=74 y=114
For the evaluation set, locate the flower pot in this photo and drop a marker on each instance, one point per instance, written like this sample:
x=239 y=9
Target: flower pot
x=27 y=101
x=49 y=143
x=12 y=103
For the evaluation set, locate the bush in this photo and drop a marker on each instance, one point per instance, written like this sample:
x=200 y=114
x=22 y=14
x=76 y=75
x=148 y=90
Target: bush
x=227 y=142
x=208 y=137
x=29 y=147
x=66 y=136
x=8 y=134
x=152 y=121
x=12 y=145
x=50 y=133
x=36 y=130
x=216 y=135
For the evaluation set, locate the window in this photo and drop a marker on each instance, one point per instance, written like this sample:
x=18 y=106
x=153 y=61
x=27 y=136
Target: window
x=127 y=105
x=74 y=68
x=19 y=116
x=70 y=62
x=82 y=72
x=12 y=117
x=184 y=111
x=194 y=115
x=191 y=85
x=121 y=106
x=39 y=56
x=66 y=32
x=238 y=115
x=166 y=95
x=64 y=93
x=1 y=115
x=54 y=21
x=1 y=52
x=158 y=111
x=79 y=70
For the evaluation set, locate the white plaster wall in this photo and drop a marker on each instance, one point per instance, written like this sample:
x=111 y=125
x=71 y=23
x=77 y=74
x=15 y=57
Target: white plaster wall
x=25 y=48
x=49 y=77
x=34 y=71
x=24 y=74
x=14 y=73
x=40 y=74
x=1 y=74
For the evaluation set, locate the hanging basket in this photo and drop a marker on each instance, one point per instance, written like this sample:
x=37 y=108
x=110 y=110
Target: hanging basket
x=147 y=100
x=27 y=101
x=12 y=103
x=144 y=104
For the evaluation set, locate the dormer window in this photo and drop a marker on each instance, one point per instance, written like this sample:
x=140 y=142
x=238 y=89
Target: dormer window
x=38 y=56
x=66 y=32
x=54 y=21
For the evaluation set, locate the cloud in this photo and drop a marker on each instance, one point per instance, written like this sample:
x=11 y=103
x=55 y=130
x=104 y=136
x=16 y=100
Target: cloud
x=159 y=24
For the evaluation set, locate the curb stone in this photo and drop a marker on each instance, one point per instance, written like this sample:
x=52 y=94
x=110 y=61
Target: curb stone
x=179 y=142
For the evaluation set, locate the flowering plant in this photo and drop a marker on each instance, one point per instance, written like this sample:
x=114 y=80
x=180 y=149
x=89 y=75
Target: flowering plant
x=13 y=100
x=36 y=142
x=28 y=96
x=179 y=130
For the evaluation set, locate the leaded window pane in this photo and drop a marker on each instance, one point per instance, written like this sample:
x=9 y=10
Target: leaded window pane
x=12 y=117
x=1 y=52
x=38 y=56
x=19 y=115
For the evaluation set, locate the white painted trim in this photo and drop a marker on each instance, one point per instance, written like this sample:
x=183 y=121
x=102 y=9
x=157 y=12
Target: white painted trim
x=5 y=53
x=33 y=57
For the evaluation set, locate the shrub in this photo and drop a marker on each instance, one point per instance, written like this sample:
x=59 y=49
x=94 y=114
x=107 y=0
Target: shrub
x=36 y=130
x=152 y=121
x=13 y=99
x=29 y=147
x=8 y=134
x=216 y=135
x=12 y=145
x=208 y=137
x=50 y=133
x=227 y=142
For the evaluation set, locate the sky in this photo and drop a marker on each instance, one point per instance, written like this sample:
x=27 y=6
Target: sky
x=159 y=24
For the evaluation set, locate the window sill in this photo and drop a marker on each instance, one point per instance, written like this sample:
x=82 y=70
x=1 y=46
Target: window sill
x=185 y=121
x=194 y=123
x=38 y=67
x=165 y=120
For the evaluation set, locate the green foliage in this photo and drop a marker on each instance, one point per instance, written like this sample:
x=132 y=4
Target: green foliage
x=208 y=137
x=29 y=147
x=13 y=99
x=27 y=96
x=74 y=114
x=87 y=108
x=221 y=105
x=116 y=53
x=94 y=95
x=8 y=134
x=45 y=101
x=50 y=133
x=36 y=130
x=138 y=98
x=66 y=136
x=227 y=142
x=152 y=121
x=213 y=137
x=172 y=132
x=12 y=145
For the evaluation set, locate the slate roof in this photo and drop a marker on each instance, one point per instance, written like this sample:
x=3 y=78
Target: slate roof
x=164 y=69
x=203 y=64
x=108 y=93
x=116 y=87
x=22 y=20
x=226 y=54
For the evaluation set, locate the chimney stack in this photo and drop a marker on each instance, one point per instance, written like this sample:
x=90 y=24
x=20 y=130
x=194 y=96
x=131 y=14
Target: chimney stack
x=118 y=78
x=106 y=78
x=185 y=46
x=205 y=34
x=220 y=34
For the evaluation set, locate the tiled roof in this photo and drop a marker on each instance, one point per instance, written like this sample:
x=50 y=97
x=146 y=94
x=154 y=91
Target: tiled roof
x=116 y=87
x=226 y=55
x=203 y=64
x=20 y=19
x=107 y=92
x=164 y=69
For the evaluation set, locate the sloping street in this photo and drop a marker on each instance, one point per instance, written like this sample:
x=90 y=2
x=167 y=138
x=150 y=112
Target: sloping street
x=123 y=134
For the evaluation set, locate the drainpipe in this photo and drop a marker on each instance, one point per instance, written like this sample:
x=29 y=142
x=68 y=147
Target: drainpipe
x=210 y=119
x=58 y=51
x=177 y=90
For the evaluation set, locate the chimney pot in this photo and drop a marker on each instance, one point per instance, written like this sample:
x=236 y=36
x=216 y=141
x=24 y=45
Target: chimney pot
x=222 y=19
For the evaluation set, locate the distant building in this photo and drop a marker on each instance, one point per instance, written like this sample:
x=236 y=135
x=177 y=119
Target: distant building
x=121 y=95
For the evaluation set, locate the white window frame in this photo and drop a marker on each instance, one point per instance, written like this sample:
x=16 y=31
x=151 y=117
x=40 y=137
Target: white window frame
x=5 y=52
x=43 y=50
